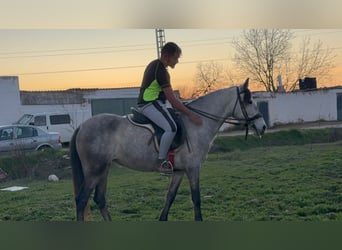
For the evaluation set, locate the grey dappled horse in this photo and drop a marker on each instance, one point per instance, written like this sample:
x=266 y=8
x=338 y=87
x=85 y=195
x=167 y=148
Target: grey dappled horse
x=105 y=138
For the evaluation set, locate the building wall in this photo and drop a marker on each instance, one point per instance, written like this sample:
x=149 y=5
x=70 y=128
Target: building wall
x=77 y=102
x=112 y=93
x=301 y=106
x=114 y=101
x=294 y=107
x=9 y=99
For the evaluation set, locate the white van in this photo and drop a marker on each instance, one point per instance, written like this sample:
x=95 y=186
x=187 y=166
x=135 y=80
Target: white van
x=51 y=122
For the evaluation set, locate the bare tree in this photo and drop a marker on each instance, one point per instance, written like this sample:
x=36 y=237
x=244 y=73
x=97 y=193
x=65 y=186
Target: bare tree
x=263 y=54
x=208 y=77
x=259 y=52
x=214 y=75
x=313 y=60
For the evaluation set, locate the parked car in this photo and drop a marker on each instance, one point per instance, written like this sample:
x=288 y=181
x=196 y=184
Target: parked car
x=58 y=122
x=27 y=138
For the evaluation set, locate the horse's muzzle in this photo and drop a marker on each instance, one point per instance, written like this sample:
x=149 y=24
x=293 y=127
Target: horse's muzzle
x=259 y=131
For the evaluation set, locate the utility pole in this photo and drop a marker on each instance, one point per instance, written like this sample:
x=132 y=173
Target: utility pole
x=160 y=39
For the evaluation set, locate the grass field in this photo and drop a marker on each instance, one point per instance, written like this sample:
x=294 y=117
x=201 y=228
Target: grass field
x=287 y=176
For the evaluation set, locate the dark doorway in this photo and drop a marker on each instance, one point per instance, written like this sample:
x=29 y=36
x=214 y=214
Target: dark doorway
x=263 y=108
x=339 y=106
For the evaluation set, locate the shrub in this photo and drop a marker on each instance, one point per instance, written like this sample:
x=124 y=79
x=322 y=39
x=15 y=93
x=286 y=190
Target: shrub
x=36 y=165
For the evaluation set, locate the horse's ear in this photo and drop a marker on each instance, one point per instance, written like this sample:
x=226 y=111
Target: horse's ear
x=246 y=83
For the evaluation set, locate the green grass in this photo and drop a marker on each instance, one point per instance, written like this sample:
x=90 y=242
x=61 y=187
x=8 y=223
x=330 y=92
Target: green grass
x=279 y=183
x=251 y=183
x=280 y=138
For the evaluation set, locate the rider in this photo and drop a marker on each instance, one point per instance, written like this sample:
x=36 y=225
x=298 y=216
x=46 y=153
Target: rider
x=155 y=93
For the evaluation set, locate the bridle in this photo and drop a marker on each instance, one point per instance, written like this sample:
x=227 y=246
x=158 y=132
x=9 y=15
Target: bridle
x=246 y=121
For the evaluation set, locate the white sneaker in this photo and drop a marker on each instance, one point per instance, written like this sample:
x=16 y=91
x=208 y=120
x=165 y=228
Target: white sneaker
x=166 y=168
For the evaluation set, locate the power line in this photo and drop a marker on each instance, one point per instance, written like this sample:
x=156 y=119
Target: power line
x=79 y=53
x=99 y=52
x=73 y=49
x=78 y=70
x=128 y=48
x=115 y=51
x=108 y=68
x=108 y=49
x=136 y=47
x=320 y=33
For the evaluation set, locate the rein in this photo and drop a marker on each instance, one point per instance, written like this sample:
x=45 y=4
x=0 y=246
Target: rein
x=246 y=121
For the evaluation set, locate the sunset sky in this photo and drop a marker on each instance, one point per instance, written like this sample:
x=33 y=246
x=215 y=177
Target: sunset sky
x=63 y=47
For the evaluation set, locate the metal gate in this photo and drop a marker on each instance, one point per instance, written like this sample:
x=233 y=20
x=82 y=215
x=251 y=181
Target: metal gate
x=339 y=106
x=263 y=108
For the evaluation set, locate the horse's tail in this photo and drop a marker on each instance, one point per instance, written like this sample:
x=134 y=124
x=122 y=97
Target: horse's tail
x=76 y=165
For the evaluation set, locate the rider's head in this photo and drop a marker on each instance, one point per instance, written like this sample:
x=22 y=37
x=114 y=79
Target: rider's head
x=170 y=54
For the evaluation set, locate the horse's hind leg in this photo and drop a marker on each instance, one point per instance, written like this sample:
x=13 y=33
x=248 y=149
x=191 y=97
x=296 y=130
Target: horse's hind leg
x=176 y=180
x=100 y=198
x=82 y=201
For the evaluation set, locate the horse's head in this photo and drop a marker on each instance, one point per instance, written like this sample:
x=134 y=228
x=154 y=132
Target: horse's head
x=247 y=110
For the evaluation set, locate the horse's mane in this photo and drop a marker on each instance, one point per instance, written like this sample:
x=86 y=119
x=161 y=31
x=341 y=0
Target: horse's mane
x=198 y=102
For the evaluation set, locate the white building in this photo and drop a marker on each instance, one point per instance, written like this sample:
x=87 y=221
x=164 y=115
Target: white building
x=79 y=103
x=10 y=107
x=301 y=106
x=277 y=108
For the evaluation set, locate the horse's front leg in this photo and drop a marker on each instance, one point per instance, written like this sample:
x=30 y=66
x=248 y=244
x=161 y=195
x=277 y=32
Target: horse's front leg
x=193 y=175
x=176 y=180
